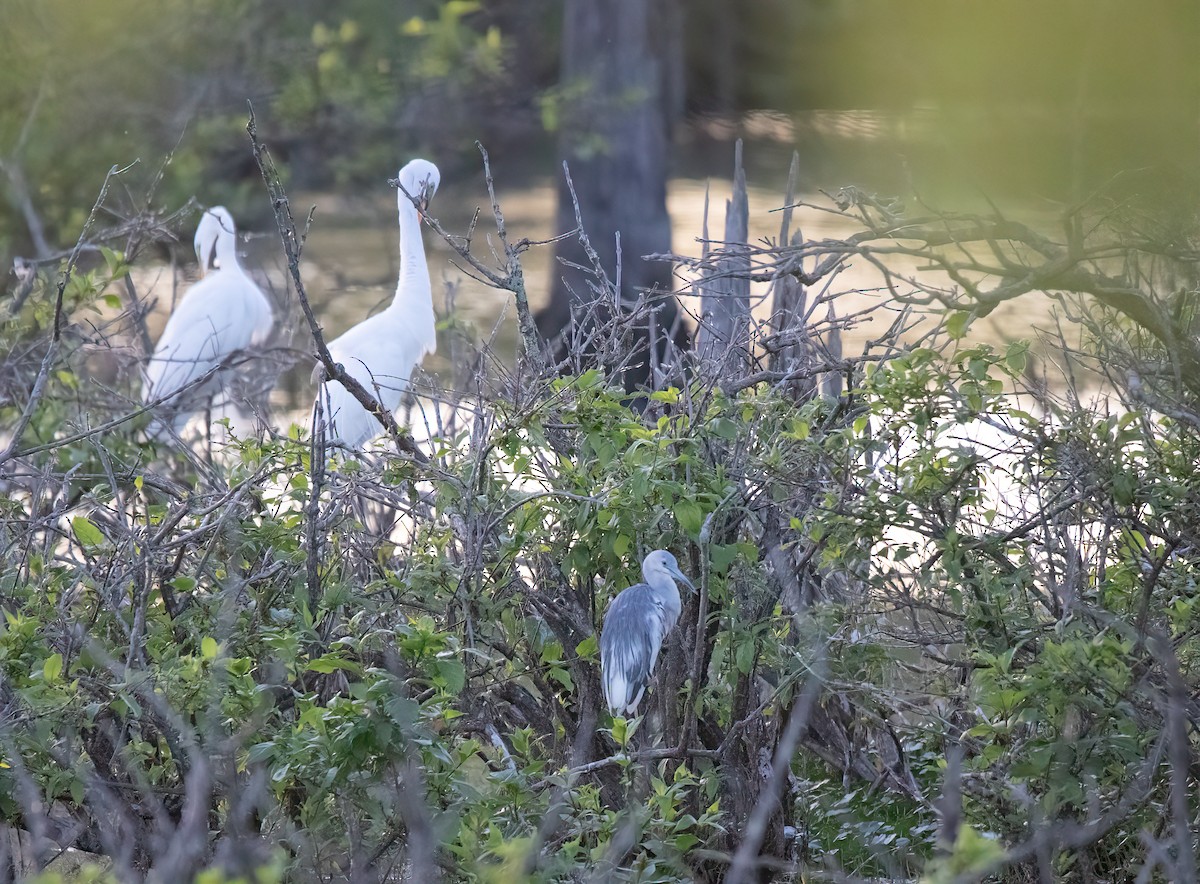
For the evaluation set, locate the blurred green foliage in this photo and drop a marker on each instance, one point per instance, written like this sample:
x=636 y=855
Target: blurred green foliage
x=1015 y=99
x=341 y=92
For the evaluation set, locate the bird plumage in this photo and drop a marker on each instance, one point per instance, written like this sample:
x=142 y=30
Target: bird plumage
x=382 y=350
x=221 y=314
x=636 y=624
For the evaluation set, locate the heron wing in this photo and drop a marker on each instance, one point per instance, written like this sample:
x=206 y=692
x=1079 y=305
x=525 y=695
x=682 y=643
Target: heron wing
x=220 y=314
x=632 y=636
x=380 y=353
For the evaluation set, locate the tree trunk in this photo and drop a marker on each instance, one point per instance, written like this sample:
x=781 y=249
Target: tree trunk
x=617 y=94
x=723 y=338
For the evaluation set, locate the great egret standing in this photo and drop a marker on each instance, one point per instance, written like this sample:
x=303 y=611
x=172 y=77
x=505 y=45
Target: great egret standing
x=637 y=621
x=221 y=314
x=382 y=350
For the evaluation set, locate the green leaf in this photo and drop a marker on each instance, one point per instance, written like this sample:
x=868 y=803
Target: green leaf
x=260 y=752
x=723 y=555
x=211 y=876
x=563 y=678
x=52 y=668
x=1017 y=356
x=744 y=656
x=208 y=648
x=685 y=842
x=972 y=851
x=452 y=673
x=115 y=262
x=956 y=324
x=331 y=663
x=1124 y=488
x=593 y=377
x=689 y=515
x=86 y=532
x=589 y=647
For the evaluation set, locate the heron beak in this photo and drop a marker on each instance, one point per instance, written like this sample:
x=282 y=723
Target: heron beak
x=679 y=575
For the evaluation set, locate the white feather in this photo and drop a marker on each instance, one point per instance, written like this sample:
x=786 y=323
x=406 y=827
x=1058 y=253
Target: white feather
x=221 y=314
x=381 y=351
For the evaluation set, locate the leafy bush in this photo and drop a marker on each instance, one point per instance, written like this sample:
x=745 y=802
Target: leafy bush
x=962 y=631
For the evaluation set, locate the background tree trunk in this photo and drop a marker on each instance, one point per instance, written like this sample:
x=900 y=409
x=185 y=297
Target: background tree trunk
x=724 y=333
x=618 y=92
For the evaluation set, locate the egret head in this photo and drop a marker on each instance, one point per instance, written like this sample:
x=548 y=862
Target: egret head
x=215 y=224
x=419 y=181
x=662 y=562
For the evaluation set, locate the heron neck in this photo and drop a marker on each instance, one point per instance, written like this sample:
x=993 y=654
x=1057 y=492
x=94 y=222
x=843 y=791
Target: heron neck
x=227 y=258
x=414 y=295
x=662 y=583
x=668 y=595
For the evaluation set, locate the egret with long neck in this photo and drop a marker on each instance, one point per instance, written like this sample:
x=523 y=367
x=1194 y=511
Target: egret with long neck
x=382 y=350
x=223 y=314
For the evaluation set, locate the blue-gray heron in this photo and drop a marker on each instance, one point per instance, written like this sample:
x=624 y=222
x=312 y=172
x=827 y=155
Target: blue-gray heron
x=637 y=621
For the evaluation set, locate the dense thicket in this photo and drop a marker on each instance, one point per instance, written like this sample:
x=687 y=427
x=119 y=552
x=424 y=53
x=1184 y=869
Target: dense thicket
x=946 y=625
x=940 y=631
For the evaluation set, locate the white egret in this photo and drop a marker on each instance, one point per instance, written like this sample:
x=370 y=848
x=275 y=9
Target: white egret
x=223 y=313
x=637 y=621
x=382 y=350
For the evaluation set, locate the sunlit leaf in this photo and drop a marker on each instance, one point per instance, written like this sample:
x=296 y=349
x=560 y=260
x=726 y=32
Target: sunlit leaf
x=52 y=668
x=331 y=663
x=86 y=532
x=589 y=647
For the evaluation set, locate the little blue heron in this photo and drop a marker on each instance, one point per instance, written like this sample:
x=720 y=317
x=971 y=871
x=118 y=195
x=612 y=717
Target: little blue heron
x=637 y=621
x=221 y=314
x=382 y=350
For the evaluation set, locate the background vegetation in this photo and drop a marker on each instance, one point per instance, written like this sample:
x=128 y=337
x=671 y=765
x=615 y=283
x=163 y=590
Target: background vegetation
x=1018 y=99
